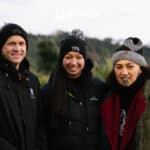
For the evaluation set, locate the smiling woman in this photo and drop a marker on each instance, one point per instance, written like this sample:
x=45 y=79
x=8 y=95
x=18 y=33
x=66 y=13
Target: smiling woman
x=73 y=63
x=127 y=122
x=126 y=72
x=71 y=99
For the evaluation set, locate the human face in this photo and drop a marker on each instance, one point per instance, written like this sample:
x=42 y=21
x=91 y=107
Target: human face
x=14 y=50
x=126 y=72
x=73 y=63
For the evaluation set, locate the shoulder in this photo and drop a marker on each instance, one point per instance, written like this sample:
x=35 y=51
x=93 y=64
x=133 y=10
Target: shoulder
x=48 y=85
x=98 y=83
x=4 y=80
x=34 y=83
x=98 y=87
x=146 y=88
x=45 y=88
x=33 y=78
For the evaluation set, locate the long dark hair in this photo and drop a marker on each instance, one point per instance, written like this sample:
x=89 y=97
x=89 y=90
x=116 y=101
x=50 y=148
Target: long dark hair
x=58 y=85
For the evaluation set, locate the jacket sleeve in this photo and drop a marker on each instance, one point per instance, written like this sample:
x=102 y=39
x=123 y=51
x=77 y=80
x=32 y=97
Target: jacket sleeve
x=42 y=136
x=5 y=145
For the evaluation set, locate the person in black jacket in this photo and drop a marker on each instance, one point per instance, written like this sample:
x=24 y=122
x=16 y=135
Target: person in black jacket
x=71 y=99
x=19 y=89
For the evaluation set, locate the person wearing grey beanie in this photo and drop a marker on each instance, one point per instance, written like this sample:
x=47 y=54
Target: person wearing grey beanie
x=19 y=90
x=126 y=110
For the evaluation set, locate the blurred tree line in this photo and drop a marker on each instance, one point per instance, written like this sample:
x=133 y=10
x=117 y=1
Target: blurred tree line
x=44 y=49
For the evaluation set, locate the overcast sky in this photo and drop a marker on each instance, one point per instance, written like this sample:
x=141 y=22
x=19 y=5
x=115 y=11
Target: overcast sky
x=117 y=19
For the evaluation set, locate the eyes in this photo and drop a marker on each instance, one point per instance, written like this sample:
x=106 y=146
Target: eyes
x=129 y=67
x=13 y=43
x=70 y=57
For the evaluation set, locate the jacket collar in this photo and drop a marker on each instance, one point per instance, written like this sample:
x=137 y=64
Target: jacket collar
x=7 y=67
x=110 y=114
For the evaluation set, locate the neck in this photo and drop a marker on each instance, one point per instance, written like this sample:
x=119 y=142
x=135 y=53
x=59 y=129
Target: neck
x=74 y=76
x=17 y=67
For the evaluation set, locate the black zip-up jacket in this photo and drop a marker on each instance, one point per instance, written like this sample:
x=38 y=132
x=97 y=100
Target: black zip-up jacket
x=18 y=95
x=80 y=128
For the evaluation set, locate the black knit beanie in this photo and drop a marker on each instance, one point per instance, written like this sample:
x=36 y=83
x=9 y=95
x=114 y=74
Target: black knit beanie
x=132 y=49
x=74 y=42
x=10 y=29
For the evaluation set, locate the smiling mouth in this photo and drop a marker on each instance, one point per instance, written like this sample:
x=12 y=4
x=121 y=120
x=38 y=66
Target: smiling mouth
x=16 y=55
x=72 y=69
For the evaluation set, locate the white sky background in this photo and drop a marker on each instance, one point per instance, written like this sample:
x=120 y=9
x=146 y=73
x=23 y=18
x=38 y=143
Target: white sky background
x=117 y=19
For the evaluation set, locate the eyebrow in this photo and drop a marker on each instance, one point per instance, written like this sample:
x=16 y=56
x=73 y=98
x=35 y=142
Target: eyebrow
x=126 y=64
x=73 y=54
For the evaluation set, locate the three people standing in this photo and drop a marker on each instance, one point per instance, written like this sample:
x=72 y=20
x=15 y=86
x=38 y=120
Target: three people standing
x=72 y=97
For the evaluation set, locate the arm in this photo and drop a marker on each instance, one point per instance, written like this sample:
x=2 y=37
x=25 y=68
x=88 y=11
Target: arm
x=5 y=145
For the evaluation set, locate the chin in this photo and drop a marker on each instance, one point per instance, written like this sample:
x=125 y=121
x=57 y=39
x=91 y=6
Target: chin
x=17 y=62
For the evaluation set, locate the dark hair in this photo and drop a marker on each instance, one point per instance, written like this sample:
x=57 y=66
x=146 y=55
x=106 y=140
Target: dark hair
x=59 y=83
x=146 y=72
x=111 y=79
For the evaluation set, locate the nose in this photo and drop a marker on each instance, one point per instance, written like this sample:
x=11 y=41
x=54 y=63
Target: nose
x=124 y=71
x=73 y=61
x=17 y=47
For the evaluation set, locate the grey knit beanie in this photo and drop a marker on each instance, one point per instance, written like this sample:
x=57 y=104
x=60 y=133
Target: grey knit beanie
x=132 y=49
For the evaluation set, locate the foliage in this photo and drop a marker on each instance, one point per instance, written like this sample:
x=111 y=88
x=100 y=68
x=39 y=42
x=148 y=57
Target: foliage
x=48 y=54
x=102 y=70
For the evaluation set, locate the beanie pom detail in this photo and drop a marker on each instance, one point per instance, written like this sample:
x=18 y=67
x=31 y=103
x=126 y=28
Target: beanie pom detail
x=131 y=49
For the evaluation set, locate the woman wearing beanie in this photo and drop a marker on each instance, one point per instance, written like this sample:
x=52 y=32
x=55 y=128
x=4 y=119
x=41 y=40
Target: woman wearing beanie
x=71 y=99
x=126 y=111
